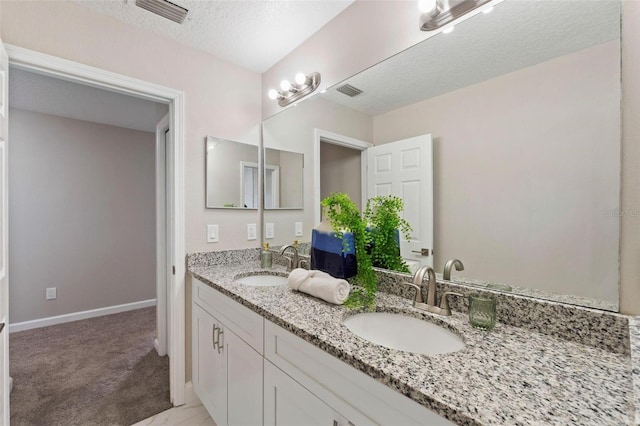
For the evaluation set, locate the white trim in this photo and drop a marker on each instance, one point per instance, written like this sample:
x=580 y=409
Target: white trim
x=76 y=316
x=190 y=395
x=320 y=136
x=96 y=77
x=275 y=186
x=162 y=287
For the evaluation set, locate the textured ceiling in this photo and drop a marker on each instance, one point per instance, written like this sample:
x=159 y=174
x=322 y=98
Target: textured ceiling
x=517 y=34
x=47 y=95
x=254 y=34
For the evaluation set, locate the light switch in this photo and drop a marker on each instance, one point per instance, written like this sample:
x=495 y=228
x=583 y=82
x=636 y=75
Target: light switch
x=298 y=229
x=212 y=234
x=251 y=231
x=268 y=230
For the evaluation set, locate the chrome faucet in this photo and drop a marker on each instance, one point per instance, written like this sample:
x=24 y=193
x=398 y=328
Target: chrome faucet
x=292 y=262
x=430 y=304
x=447 y=268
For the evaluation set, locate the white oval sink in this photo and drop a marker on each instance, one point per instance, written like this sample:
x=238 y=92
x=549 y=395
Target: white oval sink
x=404 y=333
x=262 y=280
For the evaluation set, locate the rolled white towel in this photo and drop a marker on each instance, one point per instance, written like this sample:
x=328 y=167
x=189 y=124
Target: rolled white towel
x=297 y=277
x=329 y=289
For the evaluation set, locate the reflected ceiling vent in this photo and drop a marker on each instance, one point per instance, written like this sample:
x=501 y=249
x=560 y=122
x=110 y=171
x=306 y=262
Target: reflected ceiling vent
x=349 y=90
x=164 y=8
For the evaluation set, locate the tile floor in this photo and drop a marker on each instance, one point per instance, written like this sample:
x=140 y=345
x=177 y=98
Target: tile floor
x=192 y=414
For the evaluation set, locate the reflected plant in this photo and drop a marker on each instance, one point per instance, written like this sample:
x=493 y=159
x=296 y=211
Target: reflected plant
x=383 y=216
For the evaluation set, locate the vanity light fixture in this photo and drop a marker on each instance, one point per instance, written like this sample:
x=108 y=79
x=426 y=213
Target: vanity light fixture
x=438 y=13
x=291 y=92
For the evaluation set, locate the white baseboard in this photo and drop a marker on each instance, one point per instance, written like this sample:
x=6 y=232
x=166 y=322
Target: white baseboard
x=190 y=396
x=60 y=319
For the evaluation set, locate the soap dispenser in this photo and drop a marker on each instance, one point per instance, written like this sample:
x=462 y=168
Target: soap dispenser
x=266 y=257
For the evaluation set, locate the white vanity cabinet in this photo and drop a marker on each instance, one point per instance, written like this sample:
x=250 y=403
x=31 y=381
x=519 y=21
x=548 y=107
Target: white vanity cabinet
x=227 y=371
x=288 y=403
x=248 y=371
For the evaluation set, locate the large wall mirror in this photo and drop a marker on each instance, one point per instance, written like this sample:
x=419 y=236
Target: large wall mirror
x=523 y=108
x=231 y=175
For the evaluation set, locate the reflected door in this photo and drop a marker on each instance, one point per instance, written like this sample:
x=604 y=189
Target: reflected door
x=405 y=169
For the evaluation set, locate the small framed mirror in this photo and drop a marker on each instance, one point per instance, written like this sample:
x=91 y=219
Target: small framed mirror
x=283 y=180
x=231 y=174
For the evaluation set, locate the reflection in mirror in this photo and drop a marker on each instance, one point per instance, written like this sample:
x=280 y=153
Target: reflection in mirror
x=523 y=106
x=283 y=179
x=231 y=174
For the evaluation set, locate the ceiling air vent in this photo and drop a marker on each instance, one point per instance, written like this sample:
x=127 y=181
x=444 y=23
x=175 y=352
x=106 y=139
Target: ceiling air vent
x=349 y=90
x=164 y=8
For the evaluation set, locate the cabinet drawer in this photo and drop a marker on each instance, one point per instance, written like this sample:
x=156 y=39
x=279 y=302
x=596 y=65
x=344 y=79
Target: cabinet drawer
x=351 y=392
x=245 y=323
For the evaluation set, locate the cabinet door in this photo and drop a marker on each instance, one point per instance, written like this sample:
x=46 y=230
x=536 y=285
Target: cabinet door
x=244 y=382
x=286 y=403
x=209 y=365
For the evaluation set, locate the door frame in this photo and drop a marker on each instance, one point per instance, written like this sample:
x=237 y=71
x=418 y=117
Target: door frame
x=41 y=63
x=162 y=284
x=323 y=136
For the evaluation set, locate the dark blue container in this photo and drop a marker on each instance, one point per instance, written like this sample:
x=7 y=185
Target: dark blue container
x=327 y=254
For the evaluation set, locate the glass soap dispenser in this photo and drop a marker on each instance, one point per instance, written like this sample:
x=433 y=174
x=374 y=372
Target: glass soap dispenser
x=266 y=257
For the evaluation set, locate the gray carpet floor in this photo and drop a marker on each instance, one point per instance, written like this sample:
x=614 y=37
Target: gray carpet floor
x=99 y=371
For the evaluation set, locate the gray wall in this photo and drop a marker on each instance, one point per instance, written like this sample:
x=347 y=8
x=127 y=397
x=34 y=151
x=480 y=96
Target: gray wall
x=341 y=171
x=81 y=215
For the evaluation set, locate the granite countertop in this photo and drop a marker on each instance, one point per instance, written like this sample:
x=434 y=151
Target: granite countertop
x=509 y=376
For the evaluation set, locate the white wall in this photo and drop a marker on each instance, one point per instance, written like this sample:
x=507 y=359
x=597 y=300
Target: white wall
x=523 y=179
x=81 y=217
x=221 y=99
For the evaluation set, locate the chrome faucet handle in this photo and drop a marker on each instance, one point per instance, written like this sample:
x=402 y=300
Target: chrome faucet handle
x=292 y=261
x=418 y=298
x=444 y=303
x=289 y=263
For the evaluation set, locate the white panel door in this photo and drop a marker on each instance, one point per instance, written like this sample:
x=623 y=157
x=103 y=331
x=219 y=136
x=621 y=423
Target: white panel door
x=209 y=364
x=4 y=284
x=405 y=169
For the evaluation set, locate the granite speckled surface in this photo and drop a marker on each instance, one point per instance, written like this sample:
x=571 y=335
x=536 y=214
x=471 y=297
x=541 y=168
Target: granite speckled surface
x=606 y=330
x=510 y=376
x=634 y=331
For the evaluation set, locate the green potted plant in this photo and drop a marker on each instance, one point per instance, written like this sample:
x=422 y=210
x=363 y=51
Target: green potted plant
x=385 y=224
x=343 y=215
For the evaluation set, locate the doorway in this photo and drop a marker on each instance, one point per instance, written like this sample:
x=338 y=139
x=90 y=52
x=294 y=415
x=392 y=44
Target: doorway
x=47 y=65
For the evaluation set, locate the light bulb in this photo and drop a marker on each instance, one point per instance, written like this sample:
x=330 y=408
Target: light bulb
x=273 y=94
x=285 y=85
x=301 y=78
x=427 y=6
x=448 y=30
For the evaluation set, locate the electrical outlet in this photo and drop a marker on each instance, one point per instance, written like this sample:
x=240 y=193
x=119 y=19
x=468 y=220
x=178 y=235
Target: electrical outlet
x=51 y=293
x=268 y=230
x=212 y=234
x=298 y=229
x=251 y=231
